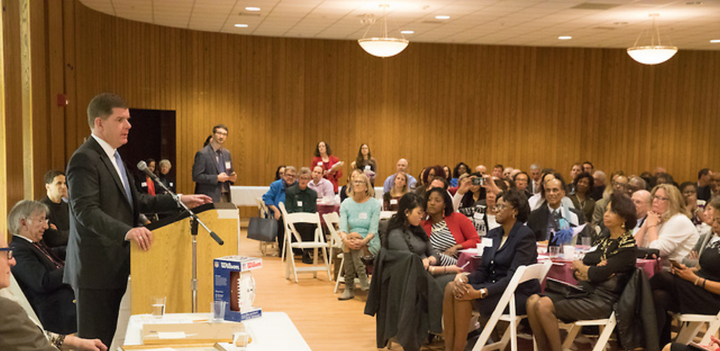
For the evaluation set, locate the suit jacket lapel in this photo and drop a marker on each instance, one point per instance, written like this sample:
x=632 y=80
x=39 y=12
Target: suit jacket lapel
x=111 y=168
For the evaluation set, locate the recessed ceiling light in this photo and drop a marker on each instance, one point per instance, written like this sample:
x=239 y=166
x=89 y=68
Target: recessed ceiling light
x=253 y=9
x=241 y=25
x=715 y=41
x=407 y=32
x=564 y=37
x=442 y=17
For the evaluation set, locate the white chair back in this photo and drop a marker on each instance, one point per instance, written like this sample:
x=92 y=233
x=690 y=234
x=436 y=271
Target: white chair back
x=522 y=274
x=300 y=217
x=332 y=219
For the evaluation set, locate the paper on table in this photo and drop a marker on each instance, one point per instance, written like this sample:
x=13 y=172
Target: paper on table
x=578 y=229
x=171 y=335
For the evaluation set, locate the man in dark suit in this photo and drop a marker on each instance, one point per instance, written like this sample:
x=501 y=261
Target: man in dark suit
x=212 y=170
x=39 y=271
x=104 y=211
x=553 y=216
x=57 y=235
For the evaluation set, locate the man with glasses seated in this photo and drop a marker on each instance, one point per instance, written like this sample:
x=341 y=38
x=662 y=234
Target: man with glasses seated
x=554 y=217
x=275 y=195
x=300 y=198
x=39 y=271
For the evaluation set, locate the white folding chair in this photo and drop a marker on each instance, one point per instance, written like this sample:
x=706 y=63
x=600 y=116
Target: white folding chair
x=607 y=326
x=318 y=243
x=522 y=274
x=264 y=213
x=332 y=220
x=691 y=325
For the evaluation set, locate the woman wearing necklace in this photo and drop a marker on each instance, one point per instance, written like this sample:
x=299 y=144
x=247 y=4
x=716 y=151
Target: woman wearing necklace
x=449 y=231
x=602 y=273
x=365 y=162
x=399 y=188
x=332 y=167
x=513 y=245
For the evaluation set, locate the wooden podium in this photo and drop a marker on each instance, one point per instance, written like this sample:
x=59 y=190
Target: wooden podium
x=166 y=269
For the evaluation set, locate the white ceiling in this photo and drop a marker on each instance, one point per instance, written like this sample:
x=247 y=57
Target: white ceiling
x=686 y=24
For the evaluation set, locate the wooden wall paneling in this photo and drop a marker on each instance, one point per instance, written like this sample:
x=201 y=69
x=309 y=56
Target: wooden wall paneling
x=434 y=103
x=55 y=74
x=27 y=9
x=3 y=132
x=13 y=123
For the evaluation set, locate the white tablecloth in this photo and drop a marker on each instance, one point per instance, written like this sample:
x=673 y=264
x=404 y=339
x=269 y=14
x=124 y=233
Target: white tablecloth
x=245 y=195
x=273 y=331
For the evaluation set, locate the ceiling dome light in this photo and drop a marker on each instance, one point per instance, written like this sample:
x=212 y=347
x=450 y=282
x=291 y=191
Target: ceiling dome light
x=652 y=54
x=383 y=46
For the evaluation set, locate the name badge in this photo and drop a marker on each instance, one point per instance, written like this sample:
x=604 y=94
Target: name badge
x=393 y=201
x=362 y=215
x=171 y=184
x=479 y=215
x=143 y=184
x=592 y=248
x=320 y=163
x=227 y=165
x=299 y=203
x=368 y=168
x=487 y=242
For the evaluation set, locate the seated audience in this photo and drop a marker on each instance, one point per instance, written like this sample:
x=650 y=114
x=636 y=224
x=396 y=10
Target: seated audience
x=274 y=196
x=522 y=180
x=165 y=178
x=331 y=166
x=323 y=187
x=715 y=184
x=538 y=200
x=588 y=167
x=664 y=178
x=642 y=200
x=406 y=234
x=39 y=271
x=706 y=234
x=598 y=190
x=668 y=227
x=145 y=183
x=401 y=166
x=301 y=198
x=497 y=171
x=366 y=163
x=554 y=218
x=703 y=184
x=279 y=172
x=480 y=169
x=574 y=171
x=470 y=192
x=435 y=182
x=602 y=273
x=636 y=183
x=713 y=346
x=19 y=332
x=345 y=190
x=535 y=174
x=400 y=188
x=619 y=183
x=513 y=245
x=359 y=219
x=448 y=174
x=694 y=206
x=449 y=231
x=506 y=174
x=691 y=290
x=583 y=184
x=59 y=213
x=460 y=169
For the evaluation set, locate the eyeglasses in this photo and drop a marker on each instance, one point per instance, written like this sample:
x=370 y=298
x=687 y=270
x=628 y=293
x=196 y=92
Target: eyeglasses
x=660 y=198
x=9 y=252
x=289 y=175
x=358 y=182
x=46 y=220
x=500 y=207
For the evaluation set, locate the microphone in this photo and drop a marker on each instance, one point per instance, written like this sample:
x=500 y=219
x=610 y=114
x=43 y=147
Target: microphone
x=143 y=167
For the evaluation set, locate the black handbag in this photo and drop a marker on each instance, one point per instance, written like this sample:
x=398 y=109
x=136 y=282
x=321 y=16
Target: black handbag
x=262 y=229
x=566 y=290
x=644 y=252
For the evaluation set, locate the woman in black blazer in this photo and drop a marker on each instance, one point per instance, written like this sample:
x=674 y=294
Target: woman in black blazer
x=513 y=245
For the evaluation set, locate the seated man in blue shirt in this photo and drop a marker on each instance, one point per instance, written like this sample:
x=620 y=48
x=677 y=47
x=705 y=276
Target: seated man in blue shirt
x=276 y=195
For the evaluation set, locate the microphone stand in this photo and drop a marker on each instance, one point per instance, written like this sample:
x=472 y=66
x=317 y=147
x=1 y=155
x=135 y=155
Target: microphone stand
x=194 y=221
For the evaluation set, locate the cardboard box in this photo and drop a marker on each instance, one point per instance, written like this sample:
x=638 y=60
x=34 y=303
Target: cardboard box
x=228 y=272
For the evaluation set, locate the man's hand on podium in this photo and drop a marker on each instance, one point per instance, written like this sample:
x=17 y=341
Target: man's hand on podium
x=195 y=200
x=142 y=236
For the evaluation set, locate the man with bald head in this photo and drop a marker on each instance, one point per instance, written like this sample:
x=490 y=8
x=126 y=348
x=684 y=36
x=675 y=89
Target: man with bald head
x=481 y=169
x=642 y=200
x=553 y=215
x=401 y=166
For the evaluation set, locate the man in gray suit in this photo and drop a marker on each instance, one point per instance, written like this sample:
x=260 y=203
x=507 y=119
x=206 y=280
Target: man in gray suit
x=104 y=211
x=212 y=170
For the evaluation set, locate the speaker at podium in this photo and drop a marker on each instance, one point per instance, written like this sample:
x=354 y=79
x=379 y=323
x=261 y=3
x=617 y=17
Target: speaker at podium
x=166 y=269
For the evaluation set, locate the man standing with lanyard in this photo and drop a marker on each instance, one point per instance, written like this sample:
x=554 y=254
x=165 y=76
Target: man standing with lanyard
x=212 y=170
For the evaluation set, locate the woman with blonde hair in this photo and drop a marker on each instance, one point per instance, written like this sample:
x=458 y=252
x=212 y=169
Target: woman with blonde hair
x=668 y=227
x=399 y=188
x=359 y=219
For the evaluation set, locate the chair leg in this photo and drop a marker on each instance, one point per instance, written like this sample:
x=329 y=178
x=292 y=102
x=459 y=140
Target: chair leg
x=571 y=335
x=605 y=335
x=341 y=272
x=327 y=263
x=315 y=258
x=711 y=330
x=688 y=331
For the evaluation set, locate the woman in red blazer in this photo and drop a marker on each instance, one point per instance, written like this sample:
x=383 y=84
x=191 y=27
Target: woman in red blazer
x=449 y=231
x=331 y=165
